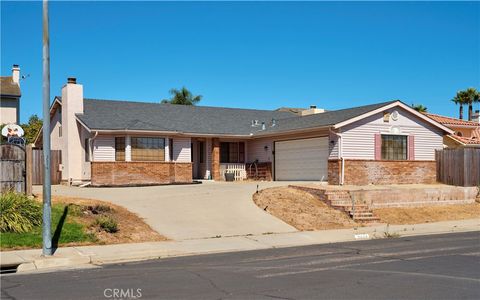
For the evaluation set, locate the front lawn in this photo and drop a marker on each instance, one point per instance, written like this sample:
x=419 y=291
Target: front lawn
x=77 y=221
x=65 y=230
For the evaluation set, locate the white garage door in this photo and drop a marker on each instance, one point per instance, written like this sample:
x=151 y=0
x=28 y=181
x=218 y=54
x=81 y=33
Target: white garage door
x=305 y=159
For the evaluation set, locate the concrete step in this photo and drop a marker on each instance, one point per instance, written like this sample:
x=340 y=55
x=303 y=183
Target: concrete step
x=345 y=203
x=367 y=219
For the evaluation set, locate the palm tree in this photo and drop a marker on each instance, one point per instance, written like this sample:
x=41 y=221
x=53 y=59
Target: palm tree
x=459 y=99
x=471 y=96
x=183 y=97
x=420 y=108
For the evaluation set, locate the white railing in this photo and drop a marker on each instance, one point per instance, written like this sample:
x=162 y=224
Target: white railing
x=238 y=170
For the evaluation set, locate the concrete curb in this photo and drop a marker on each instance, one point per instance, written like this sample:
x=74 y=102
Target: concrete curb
x=74 y=257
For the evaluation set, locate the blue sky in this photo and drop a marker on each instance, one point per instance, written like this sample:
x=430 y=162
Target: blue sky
x=250 y=54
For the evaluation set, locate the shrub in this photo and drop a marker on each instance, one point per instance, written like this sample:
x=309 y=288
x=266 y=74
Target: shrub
x=107 y=223
x=19 y=213
x=99 y=209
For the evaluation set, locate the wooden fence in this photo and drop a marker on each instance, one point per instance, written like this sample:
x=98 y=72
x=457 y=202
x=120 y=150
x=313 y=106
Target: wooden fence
x=460 y=167
x=13 y=168
x=37 y=163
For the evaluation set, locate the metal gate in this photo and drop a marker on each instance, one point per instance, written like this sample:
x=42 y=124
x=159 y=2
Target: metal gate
x=12 y=168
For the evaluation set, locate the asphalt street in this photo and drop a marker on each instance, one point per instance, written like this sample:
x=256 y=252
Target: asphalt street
x=423 y=267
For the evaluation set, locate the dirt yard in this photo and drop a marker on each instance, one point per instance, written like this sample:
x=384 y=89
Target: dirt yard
x=301 y=209
x=131 y=228
x=416 y=215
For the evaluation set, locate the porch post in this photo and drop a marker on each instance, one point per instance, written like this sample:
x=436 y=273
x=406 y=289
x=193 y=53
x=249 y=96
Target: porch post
x=128 y=148
x=167 y=149
x=216 y=159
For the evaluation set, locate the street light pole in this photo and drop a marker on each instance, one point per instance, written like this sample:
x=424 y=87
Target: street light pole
x=47 y=209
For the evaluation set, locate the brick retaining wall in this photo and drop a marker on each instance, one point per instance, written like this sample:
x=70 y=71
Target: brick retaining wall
x=140 y=173
x=364 y=172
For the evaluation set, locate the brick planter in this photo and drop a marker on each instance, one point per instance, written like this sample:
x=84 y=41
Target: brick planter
x=364 y=172
x=140 y=173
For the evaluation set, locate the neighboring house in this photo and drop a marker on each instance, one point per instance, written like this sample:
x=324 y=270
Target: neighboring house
x=466 y=133
x=10 y=97
x=128 y=143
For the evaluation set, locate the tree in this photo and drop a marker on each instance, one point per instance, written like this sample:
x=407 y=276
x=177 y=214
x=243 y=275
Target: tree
x=420 y=108
x=471 y=96
x=467 y=97
x=459 y=99
x=183 y=97
x=31 y=128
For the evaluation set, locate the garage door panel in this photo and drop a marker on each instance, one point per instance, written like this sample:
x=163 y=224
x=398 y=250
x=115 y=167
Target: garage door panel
x=304 y=159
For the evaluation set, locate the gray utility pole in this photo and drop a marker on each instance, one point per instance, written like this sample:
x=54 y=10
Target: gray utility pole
x=47 y=203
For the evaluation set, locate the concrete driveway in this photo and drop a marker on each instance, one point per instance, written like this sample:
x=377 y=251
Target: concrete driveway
x=182 y=212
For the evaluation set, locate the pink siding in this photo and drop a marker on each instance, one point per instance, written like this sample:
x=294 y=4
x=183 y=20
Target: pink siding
x=411 y=147
x=333 y=147
x=358 y=139
x=378 y=146
x=256 y=150
x=104 y=148
x=182 y=149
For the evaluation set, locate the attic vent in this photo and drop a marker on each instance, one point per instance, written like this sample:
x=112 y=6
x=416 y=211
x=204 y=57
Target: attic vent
x=255 y=123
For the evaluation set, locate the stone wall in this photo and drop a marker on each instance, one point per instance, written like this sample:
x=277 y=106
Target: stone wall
x=140 y=173
x=364 y=172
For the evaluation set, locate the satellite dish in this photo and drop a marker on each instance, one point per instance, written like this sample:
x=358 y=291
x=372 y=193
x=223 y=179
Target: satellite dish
x=12 y=130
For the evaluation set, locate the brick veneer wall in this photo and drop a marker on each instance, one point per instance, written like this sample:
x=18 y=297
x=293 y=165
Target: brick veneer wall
x=264 y=171
x=140 y=173
x=216 y=159
x=363 y=172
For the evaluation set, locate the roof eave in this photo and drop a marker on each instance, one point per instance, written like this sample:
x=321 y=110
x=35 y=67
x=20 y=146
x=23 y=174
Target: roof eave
x=287 y=132
x=163 y=132
x=11 y=95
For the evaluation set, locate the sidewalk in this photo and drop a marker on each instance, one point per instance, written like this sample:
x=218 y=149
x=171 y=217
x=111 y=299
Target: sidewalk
x=83 y=256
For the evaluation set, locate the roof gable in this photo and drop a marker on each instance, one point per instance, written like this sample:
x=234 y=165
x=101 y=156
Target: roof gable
x=390 y=105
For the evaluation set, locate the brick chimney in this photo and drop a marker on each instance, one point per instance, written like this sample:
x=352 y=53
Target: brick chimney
x=16 y=74
x=72 y=104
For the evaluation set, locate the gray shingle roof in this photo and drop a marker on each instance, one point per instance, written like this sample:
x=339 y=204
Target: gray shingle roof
x=125 y=115
x=327 y=118
x=8 y=87
x=115 y=115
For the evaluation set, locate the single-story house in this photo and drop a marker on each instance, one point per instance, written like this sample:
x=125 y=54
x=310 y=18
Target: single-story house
x=112 y=143
x=466 y=133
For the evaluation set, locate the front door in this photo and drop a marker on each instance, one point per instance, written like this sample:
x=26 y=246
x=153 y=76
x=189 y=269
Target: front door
x=199 y=159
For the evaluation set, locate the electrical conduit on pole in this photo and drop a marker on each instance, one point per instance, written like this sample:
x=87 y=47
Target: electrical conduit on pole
x=47 y=209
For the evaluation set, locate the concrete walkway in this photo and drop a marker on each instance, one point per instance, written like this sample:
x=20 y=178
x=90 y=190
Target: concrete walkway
x=89 y=256
x=181 y=212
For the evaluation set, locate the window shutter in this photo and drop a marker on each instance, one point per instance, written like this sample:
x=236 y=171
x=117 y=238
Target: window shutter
x=411 y=147
x=378 y=146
